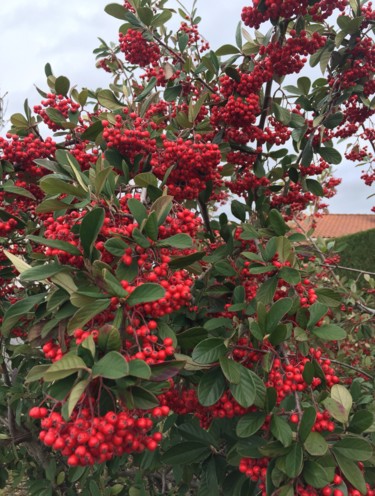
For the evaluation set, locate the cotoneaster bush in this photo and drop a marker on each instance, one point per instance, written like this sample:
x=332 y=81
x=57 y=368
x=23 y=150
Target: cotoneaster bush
x=151 y=344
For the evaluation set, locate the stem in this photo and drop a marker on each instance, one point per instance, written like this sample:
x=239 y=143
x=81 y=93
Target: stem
x=180 y=59
x=347 y=268
x=360 y=371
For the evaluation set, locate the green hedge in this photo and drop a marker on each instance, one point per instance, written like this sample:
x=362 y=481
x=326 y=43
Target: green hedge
x=359 y=252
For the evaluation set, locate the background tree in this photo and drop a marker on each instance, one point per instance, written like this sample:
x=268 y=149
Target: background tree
x=190 y=352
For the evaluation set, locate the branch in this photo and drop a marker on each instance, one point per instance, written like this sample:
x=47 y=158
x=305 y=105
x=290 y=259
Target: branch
x=360 y=371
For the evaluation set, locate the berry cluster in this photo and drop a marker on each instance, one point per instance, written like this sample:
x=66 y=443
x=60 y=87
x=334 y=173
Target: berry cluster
x=132 y=142
x=65 y=106
x=86 y=439
x=22 y=152
x=194 y=164
x=137 y=49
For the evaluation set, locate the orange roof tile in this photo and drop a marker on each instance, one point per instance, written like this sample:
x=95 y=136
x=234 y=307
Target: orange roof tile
x=337 y=225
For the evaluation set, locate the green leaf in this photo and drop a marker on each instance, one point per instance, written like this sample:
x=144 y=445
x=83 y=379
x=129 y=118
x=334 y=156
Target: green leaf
x=150 y=86
x=89 y=229
x=245 y=393
x=267 y=290
x=353 y=448
x=145 y=293
x=209 y=350
x=351 y=472
x=112 y=366
x=291 y=276
x=343 y=396
x=328 y=297
x=227 y=50
x=225 y=269
x=145 y=179
x=337 y=410
x=40 y=272
x=69 y=364
x=145 y=15
x=304 y=84
x=55 y=243
x=330 y=155
x=185 y=453
x=18 y=310
x=315 y=444
x=181 y=241
x=231 y=369
x=93 y=131
x=329 y=332
x=116 y=246
x=314 y=187
x=294 y=461
x=164 y=371
x=181 y=262
x=108 y=100
x=315 y=475
x=62 y=85
x=143 y=399
x=137 y=209
x=333 y=120
x=109 y=339
x=162 y=206
x=361 y=421
x=8 y=187
x=307 y=423
x=316 y=311
x=86 y=313
x=139 y=368
x=211 y=387
x=76 y=394
x=250 y=423
x=119 y=12
x=281 y=430
x=277 y=311
x=19 y=121
x=113 y=285
x=172 y=92
x=307 y=155
x=151 y=227
x=308 y=371
x=277 y=222
x=161 y=19
x=36 y=373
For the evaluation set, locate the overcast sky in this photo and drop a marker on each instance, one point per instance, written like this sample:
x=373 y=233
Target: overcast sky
x=65 y=34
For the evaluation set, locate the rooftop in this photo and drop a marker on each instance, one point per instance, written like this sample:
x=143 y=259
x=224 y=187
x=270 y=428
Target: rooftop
x=337 y=225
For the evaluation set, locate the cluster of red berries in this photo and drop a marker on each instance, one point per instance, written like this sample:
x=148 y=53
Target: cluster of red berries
x=254 y=468
x=244 y=182
x=7 y=226
x=291 y=57
x=150 y=350
x=287 y=378
x=60 y=103
x=272 y=10
x=183 y=221
x=322 y=9
x=177 y=290
x=137 y=49
x=130 y=142
x=22 y=152
x=237 y=112
x=248 y=83
x=194 y=164
x=194 y=36
x=86 y=440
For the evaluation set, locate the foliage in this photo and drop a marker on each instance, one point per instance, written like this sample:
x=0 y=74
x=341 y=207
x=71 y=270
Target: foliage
x=357 y=251
x=151 y=345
